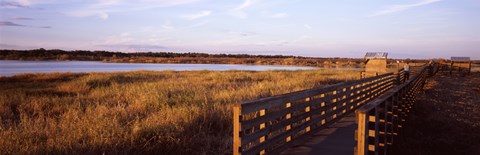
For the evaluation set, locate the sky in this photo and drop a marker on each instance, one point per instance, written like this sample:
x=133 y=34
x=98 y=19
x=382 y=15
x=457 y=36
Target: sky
x=314 y=28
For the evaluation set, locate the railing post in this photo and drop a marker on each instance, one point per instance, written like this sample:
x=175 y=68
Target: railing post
x=451 y=67
x=469 y=67
x=387 y=131
x=237 y=141
x=397 y=82
x=362 y=133
x=395 y=113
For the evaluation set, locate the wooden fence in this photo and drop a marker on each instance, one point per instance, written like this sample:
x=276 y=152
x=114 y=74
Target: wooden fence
x=270 y=125
x=461 y=66
x=380 y=121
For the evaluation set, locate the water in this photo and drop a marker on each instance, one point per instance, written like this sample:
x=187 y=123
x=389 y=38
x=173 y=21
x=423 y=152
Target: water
x=12 y=67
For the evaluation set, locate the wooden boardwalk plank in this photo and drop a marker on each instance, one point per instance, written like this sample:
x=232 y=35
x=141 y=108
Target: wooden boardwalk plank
x=337 y=139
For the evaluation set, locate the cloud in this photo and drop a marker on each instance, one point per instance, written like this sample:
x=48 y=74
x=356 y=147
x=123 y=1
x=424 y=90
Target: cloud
x=402 y=7
x=11 y=5
x=104 y=8
x=134 y=47
x=279 y=15
x=91 y=13
x=167 y=26
x=21 y=18
x=272 y=43
x=242 y=34
x=103 y=15
x=16 y=47
x=301 y=38
x=198 y=24
x=197 y=15
x=245 y=4
x=7 y=23
x=24 y=4
x=307 y=26
x=117 y=39
x=239 y=10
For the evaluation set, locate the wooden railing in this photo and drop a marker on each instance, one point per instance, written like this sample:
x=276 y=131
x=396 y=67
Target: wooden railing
x=380 y=121
x=270 y=125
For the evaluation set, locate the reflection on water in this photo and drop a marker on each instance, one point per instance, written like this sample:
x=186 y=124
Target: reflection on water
x=10 y=67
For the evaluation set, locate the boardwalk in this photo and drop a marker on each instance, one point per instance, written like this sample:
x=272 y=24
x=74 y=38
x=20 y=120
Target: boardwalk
x=355 y=117
x=337 y=139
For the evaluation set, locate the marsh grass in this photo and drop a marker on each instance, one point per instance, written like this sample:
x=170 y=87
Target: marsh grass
x=446 y=118
x=142 y=112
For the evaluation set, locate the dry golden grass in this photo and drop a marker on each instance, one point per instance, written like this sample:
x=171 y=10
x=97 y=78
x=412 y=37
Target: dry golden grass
x=140 y=112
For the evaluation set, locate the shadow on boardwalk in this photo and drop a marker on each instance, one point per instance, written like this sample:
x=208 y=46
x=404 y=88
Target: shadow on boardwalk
x=337 y=139
x=446 y=118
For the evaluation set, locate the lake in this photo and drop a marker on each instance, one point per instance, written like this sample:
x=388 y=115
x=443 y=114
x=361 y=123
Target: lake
x=12 y=67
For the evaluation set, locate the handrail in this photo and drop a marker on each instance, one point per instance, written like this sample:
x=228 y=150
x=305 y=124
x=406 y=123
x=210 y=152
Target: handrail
x=381 y=120
x=269 y=125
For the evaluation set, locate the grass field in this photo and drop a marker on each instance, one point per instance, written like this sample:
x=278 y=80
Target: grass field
x=446 y=119
x=136 y=112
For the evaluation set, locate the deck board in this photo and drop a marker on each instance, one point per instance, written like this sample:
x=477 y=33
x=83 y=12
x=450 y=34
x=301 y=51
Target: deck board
x=337 y=139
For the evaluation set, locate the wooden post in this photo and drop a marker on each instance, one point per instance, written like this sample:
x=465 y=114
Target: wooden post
x=377 y=129
x=460 y=68
x=362 y=133
x=386 y=131
x=469 y=67
x=451 y=67
x=237 y=140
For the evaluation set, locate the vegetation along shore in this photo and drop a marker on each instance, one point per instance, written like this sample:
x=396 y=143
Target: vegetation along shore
x=140 y=112
x=189 y=58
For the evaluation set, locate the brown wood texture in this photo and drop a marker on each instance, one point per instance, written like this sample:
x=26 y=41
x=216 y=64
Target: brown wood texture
x=289 y=117
x=388 y=111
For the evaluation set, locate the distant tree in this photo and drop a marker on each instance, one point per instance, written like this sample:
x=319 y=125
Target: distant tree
x=64 y=57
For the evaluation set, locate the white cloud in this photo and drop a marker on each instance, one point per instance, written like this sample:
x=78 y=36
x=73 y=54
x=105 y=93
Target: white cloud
x=279 y=15
x=103 y=15
x=239 y=10
x=90 y=13
x=127 y=43
x=402 y=7
x=23 y=4
x=245 y=4
x=167 y=26
x=29 y=3
x=198 y=24
x=104 y=8
x=197 y=15
x=121 y=38
x=242 y=34
x=239 y=14
x=301 y=39
x=307 y=26
x=96 y=8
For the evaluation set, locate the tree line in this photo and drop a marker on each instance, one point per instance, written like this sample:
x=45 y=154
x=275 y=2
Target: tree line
x=54 y=54
x=171 y=57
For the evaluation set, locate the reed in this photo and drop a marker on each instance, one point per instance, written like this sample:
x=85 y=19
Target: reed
x=141 y=112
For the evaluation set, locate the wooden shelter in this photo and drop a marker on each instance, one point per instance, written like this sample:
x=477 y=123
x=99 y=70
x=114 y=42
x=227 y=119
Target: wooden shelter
x=462 y=64
x=375 y=63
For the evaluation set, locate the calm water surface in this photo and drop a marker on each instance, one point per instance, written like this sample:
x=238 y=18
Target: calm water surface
x=11 y=67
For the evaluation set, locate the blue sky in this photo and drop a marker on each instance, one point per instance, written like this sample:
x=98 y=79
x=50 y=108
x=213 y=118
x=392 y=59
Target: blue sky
x=319 y=28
